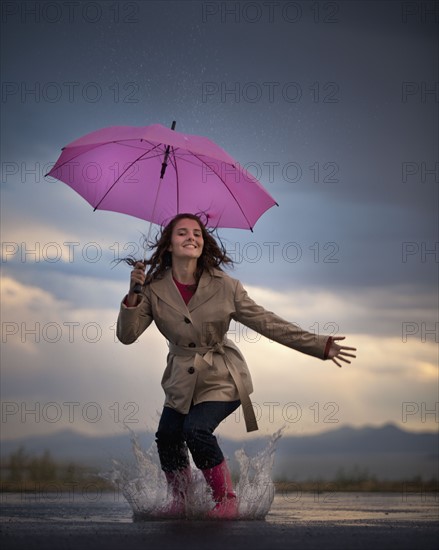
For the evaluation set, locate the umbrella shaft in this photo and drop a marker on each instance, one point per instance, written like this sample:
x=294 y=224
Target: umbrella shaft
x=164 y=165
x=165 y=160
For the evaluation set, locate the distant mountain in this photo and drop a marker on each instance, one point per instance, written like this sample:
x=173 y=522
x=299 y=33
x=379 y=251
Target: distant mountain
x=387 y=438
x=69 y=445
x=385 y=452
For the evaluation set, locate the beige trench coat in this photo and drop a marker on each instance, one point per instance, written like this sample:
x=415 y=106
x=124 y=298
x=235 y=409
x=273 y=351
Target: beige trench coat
x=202 y=364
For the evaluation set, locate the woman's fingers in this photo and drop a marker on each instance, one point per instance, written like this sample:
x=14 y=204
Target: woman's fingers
x=343 y=348
x=138 y=274
x=341 y=359
x=138 y=279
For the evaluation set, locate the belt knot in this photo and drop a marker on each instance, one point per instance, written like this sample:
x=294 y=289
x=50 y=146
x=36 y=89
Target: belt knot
x=218 y=348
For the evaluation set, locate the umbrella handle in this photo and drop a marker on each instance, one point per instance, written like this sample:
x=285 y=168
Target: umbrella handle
x=137 y=289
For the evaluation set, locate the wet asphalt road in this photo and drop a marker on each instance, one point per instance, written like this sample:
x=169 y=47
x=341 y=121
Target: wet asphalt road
x=220 y=535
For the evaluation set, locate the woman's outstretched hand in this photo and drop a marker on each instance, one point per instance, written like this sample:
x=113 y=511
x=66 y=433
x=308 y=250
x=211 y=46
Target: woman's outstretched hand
x=340 y=352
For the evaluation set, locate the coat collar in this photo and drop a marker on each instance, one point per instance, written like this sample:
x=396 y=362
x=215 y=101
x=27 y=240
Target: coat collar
x=167 y=290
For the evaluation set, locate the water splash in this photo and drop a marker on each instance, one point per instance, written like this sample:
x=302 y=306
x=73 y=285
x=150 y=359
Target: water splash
x=144 y=486
x=255 y=488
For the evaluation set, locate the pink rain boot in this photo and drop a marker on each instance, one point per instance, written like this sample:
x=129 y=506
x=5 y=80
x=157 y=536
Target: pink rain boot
x=219 y=480
x=178 y=483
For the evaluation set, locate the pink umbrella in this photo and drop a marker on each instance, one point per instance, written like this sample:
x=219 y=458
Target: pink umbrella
x=154 y=173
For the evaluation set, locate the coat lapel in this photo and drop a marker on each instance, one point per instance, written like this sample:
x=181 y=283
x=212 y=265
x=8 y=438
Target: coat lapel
x=207 y=287
x=167 y=291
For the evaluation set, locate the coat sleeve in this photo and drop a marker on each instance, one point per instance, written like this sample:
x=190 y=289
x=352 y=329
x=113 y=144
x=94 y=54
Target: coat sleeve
x=133 y=321
x=275 y=328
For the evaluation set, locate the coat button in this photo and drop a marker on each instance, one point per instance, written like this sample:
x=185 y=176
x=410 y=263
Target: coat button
x=192 y=345
x=186 y=320
x=191 y=370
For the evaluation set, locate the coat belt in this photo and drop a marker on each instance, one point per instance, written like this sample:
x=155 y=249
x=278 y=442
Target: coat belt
x=204 y=355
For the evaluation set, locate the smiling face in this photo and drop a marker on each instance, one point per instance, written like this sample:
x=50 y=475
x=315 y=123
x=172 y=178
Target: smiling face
x=186 y=240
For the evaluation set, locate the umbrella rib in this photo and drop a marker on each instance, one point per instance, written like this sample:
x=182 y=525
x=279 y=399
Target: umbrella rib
x=123 y=172
x=81 y=153
x=103 y=144
x=227 y=187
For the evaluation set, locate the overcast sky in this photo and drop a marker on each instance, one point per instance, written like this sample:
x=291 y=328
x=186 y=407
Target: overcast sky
x=332 y=105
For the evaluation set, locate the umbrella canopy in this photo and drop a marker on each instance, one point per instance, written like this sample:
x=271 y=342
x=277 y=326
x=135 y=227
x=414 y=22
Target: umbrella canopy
x=119 y=169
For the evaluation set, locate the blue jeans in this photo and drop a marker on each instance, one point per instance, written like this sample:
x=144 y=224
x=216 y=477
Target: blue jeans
x=177 y=432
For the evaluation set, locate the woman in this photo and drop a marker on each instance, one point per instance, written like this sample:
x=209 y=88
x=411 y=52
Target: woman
x=192 y=301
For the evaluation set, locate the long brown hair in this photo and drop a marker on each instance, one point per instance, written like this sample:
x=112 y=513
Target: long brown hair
x=214 y=255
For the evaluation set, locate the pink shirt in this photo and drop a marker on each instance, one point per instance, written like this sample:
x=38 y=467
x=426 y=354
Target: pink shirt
x=186 y=291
